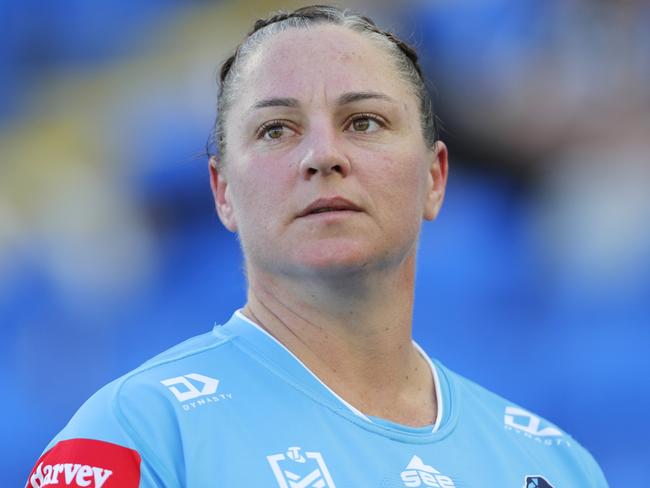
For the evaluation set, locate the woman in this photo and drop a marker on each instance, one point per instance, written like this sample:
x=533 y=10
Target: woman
x=328 y=162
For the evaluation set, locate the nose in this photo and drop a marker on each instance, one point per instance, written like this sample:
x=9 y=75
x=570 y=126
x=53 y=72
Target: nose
x=324 y=156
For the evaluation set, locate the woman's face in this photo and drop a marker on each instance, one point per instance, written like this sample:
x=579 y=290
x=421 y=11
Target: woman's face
x=326 y=168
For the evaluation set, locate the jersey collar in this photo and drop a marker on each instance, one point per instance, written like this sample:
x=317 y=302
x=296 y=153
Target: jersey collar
x=255 y=340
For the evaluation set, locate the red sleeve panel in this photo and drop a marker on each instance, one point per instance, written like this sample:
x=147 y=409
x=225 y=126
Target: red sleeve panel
x=86 y=463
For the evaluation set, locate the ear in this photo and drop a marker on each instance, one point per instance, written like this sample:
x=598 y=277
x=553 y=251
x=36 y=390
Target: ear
x=221 y=195
x=437 y=181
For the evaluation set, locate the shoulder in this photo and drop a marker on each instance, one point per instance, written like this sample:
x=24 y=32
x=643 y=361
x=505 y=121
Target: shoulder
x=118 y=431
x=141 y=396
x=515 y=431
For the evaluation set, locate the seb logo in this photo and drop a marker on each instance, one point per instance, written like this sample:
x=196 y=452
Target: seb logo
x=419 y=474
x=195 y=390
x=87 y=463
x=524 y=421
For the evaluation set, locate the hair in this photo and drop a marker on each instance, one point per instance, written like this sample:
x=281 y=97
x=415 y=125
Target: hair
x=404 y=56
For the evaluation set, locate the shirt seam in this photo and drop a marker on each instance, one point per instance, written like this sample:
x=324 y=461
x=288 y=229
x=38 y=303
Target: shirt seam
x=147 y=453
x=432 y=365
x=404 y=437
x=140 y=445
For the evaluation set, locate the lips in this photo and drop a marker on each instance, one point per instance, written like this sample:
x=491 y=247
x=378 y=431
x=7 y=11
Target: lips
x=322 y=205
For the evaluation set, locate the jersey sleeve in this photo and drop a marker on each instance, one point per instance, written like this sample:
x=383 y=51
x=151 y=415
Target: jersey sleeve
x=598 y=479
x=105 y=445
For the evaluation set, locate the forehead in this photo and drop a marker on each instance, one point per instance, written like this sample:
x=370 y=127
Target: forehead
x=321 y=59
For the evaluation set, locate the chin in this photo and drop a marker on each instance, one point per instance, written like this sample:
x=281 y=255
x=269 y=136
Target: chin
x=333 y=259
x=343 y=263
x=330 y=258
x=334 y=264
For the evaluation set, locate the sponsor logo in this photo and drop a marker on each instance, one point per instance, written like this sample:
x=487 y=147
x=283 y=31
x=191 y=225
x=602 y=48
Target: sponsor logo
x=536 y=481
x=195 y=386
x=79 y=474
x=295 y=470
x=525 y=423
x=189 y=391
x=419 y=474
x=86 y=463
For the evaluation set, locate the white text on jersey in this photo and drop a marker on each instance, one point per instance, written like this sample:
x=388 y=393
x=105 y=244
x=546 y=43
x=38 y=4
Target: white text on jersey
x=68 y=473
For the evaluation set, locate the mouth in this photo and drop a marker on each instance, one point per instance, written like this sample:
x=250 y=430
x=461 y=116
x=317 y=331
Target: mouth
x=325 y=205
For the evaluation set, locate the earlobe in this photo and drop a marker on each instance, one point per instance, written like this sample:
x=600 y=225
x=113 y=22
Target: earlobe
x=437 y=181
x=221 y=195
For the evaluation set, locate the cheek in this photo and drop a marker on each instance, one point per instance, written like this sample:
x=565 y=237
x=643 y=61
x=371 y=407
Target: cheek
x=259 y=187
x=400 y=182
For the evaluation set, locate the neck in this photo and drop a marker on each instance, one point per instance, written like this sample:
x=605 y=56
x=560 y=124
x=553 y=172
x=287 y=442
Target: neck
x=354 y=333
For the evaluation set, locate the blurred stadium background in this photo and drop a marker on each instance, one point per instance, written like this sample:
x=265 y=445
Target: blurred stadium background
x=535 y=280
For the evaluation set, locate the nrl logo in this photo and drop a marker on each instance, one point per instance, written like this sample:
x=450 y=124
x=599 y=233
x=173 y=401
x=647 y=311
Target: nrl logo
x=295 y=470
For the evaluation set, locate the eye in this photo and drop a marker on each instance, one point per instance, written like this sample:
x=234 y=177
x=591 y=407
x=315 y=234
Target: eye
x=365 y=123
x=274 y=130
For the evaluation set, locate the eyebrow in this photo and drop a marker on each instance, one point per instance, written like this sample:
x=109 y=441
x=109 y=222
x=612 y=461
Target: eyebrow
x=352 y=97
x=277 y=102
x=344 y=99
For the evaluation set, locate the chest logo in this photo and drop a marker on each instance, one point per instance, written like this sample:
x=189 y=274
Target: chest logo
x=185 y=388
x=536 y=481
x=293 y=469
x=520 y=419
x=195 y=390
x=419 y=474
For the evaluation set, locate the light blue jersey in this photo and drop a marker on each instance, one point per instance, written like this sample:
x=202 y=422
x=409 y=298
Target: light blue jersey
x=235 y=408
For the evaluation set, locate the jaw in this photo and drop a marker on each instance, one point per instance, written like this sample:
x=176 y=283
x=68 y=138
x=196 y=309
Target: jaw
x=336 y=260
x=342 y=288
x=330 y=251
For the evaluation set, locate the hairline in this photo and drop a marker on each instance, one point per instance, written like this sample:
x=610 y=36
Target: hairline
x=343 y=99
x=406 y=69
